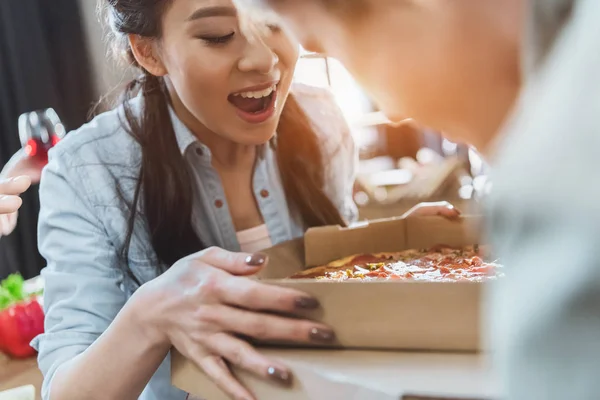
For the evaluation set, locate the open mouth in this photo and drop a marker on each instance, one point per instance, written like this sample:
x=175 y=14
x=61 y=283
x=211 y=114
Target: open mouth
x=255 y=106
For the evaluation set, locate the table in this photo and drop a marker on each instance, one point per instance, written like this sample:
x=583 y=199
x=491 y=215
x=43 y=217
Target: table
x=15 y=373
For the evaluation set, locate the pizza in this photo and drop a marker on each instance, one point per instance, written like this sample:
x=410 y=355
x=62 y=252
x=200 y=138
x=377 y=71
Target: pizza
x=437 y=264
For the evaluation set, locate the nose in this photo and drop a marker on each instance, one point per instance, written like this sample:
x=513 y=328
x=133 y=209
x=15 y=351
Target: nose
x=258 y=57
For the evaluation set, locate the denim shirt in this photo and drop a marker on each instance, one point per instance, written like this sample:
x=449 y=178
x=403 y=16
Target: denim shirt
x=83 y=222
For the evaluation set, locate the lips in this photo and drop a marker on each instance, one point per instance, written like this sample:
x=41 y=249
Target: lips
x=250 y=104
x=255 y=104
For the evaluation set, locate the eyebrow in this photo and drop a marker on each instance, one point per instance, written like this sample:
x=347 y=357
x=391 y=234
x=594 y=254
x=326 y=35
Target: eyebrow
x=218 y=11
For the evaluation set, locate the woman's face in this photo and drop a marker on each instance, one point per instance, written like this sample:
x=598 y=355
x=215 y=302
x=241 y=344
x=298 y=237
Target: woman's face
x=221 y=80
x=450 y=64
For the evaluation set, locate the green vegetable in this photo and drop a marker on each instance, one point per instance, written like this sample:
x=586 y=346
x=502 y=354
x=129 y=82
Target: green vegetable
x=12 y=290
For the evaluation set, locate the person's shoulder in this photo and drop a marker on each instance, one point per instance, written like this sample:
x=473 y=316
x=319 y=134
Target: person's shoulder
x=102 y=141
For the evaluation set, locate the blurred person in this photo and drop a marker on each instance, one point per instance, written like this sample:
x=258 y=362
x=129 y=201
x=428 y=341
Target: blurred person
x=435 y=61
x=154 y=214
x=519 y=80
x=16 y=177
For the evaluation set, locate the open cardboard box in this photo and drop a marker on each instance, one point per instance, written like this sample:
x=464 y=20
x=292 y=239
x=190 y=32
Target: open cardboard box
x=386 y=314
x=373 y=317
x=357 y=375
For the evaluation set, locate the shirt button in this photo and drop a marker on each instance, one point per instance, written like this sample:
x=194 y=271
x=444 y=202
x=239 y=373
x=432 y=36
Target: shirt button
x=199 y=151
x=264 y=193
x=219 y=203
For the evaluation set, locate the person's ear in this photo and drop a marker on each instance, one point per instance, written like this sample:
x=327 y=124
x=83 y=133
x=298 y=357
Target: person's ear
x=146 y=54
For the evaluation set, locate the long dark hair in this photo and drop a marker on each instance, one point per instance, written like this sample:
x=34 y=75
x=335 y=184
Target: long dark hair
x=164 y=191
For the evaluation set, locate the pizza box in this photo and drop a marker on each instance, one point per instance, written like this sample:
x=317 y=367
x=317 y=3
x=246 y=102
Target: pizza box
x=442 y=316
x=395 y=340
x=357 y=375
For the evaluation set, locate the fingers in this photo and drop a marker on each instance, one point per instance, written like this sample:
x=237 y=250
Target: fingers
x=8 y=222
x=244 y=356
x=233 y=263
x=251 y=294
x=449 y=212
x=442 y=208
x=9 y=204
x=9 y=191
x=219 y=373
x=14 y=186
x=21 y=164
x=268 y=327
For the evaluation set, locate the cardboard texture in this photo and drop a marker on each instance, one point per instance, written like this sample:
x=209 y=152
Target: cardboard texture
x=357 y=375
x=393 y=315
x=373 y=317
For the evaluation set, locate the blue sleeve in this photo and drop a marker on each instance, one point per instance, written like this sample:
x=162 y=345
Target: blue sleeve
x=82 y=278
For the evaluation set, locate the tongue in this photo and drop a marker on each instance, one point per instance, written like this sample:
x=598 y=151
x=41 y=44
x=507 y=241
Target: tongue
x=249 y=105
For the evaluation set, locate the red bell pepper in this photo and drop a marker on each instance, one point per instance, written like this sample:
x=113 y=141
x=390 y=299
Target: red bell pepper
x=21 y=318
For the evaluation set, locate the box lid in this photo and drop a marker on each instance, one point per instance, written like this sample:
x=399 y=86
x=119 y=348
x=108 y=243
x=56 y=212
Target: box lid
x=358 y=375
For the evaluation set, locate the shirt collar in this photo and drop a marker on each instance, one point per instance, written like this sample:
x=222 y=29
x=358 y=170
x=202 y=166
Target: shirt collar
x=186 y=139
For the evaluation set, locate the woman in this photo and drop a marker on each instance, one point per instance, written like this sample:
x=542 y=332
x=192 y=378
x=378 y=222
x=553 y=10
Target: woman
x=144 y=211
x=16 y=177
x=457 y=65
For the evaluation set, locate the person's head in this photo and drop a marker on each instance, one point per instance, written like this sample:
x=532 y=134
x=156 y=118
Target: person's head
x=219 y=81
x=226 y=87
x=450 y=64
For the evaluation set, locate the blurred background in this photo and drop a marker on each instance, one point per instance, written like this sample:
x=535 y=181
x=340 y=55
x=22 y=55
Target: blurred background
x=53 y=54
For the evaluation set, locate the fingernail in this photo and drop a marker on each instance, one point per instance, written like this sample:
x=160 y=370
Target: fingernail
x=280 y=376
x=307 y=303
x=256 y=260
x=322 y=335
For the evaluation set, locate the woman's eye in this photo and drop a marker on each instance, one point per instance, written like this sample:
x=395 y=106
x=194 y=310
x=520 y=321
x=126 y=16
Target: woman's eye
x=218 y=39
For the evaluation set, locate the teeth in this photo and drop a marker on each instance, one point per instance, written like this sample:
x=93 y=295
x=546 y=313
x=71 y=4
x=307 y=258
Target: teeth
x=258 y=93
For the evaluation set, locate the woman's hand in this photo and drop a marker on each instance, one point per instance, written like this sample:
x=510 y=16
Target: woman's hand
x=20 y=164
x=10 y=189
x=15 y=178
x=205 y=302
x=441 y=208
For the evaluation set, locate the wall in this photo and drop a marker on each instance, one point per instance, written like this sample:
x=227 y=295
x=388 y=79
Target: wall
x=107 y=74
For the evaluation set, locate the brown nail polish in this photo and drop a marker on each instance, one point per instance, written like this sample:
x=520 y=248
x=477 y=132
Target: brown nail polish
x=256 y=260
x=322 y=335
x=307 y=303
x=280 y=376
